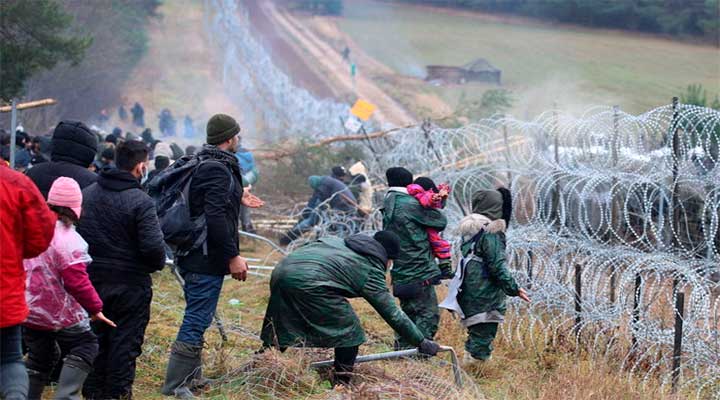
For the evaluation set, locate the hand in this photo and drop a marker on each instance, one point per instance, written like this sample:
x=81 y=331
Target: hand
x=523 y=295
x=428 y=347
x=443 y=193
x=251 y=201
x=238 y=268
x=102 y=318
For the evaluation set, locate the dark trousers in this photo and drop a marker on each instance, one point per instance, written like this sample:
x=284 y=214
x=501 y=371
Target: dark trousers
x=344 y=362
x=114 y=369
x=201 y=298
x=77 y=340
x=13 y=376
x=480 y=339
x=424 y=312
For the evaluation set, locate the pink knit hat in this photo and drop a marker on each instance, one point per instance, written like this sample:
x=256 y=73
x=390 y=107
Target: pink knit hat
x=65 y=192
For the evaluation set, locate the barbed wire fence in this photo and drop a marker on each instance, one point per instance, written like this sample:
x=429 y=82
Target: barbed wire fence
x=616 y=227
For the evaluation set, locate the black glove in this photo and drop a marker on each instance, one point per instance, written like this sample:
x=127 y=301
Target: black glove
x=445 y=269
x=428 y=347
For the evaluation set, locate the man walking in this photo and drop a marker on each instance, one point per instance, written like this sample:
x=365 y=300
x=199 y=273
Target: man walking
x=216 y=191
x=121 y=227
x=26 y=230
x=415 y=269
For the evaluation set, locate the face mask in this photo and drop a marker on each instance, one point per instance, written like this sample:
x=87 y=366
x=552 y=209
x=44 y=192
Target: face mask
x=144 y=176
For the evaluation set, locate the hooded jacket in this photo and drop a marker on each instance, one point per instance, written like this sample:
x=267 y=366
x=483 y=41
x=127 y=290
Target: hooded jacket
x=121 y=227
x=73 y=150
x=327 y=187
x=309 y=289
x=482 y=282
x=26 y=229
x=403 y=215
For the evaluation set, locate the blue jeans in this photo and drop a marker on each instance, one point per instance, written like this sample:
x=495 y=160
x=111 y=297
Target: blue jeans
x=201 y=297
x=13 y=376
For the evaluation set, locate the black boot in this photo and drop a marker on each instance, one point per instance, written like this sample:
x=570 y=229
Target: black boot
x=72 y=376
x=37 y=381
x=344 y=363
x=183 y=365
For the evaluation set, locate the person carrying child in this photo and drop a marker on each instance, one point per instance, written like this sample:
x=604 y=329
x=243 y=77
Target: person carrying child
x=434 y=197
x=60 y=297
x=482 y=280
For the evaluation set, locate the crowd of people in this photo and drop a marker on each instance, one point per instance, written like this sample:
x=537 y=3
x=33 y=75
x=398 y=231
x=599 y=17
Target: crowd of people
x=85 y=228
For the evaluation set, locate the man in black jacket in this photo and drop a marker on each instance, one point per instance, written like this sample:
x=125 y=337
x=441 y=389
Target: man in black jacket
x=121 y=226
x=216 y=191
x=73 y=150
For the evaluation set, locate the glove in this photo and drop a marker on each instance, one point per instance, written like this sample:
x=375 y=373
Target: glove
x=428 y=347
x=445 y=269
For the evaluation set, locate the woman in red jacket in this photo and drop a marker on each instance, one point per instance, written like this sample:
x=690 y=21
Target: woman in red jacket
x=26 y=229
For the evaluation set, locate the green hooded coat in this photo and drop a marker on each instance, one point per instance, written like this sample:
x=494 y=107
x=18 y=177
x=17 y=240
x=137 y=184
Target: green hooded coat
x=403 y=215
x=309 y=290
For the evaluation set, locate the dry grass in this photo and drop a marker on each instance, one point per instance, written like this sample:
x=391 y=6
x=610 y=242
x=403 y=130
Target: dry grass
x=518 y=370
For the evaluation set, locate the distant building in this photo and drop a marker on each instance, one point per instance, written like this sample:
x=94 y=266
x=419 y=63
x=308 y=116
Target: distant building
x=479 y=70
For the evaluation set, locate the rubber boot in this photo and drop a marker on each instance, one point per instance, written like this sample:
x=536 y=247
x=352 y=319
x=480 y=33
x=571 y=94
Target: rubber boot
x=72 y=376
x=183 y=365
x=37 y=382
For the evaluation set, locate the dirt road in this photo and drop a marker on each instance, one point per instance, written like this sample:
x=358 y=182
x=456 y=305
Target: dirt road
x=338 y=70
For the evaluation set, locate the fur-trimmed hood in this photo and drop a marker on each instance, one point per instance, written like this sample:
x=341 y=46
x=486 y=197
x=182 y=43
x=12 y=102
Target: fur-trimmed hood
x=473 y=223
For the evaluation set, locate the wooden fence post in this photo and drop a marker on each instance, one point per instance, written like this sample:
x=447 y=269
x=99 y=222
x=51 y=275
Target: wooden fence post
x=677 y=345
x=636 y=308
x=578 y=299
x=530 y=268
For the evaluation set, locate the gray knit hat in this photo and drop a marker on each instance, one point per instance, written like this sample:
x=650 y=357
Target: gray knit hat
x=220 y=128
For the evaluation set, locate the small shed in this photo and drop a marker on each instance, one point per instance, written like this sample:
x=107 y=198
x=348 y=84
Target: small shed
x=479 y=70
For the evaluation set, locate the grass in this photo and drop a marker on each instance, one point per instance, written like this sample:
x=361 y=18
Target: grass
x=517 y=370
x=541 y=64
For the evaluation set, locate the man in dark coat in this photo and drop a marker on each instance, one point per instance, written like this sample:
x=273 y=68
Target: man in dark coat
x=415 y=270
x=121 y=226
x=74 y=148
x=216 y=192
x=138 y=115
x=308 y=297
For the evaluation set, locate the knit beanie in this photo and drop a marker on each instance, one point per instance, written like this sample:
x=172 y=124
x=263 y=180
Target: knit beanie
x=65 y=192
x=390 y=241
x=315 y=181
x=398 y=176
x=221 y=128
x=73 y=142
x=338 y=171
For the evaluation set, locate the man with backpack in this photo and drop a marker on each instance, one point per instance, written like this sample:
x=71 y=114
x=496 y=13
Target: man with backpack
x=215 y=194
x=120 y=225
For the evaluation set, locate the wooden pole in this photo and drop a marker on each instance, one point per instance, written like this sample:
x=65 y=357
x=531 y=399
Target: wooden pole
x=13 y=133
x=530 y=268
x=677 y=345
x=578 y=299
x=636 y=308
x=29 y=104
x=615 y=218
x=507 y=154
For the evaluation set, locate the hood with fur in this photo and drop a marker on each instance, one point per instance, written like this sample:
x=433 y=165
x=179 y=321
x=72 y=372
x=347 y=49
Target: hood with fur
x=473 y=223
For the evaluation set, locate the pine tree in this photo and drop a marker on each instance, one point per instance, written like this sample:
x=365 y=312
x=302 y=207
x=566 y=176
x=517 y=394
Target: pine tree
x=34 y=35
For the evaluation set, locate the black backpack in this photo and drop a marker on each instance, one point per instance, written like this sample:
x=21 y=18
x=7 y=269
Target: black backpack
x=171 y=192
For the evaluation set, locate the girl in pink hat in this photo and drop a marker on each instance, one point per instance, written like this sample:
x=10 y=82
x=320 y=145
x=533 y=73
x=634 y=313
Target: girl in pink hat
x=60 y=297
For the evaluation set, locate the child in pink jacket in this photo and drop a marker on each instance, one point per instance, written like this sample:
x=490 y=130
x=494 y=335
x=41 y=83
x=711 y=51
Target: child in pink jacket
x=431 y=196
x=60 y=297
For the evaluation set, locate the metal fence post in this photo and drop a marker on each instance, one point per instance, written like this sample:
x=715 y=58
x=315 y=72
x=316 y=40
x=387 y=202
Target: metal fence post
x=636 y=308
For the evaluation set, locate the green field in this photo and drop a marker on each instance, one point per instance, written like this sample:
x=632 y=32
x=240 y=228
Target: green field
x=541 y=64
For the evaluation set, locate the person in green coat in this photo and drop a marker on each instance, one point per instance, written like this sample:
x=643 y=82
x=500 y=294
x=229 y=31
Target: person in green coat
x=482 y=281
x=309 y=289
x=415 y=270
